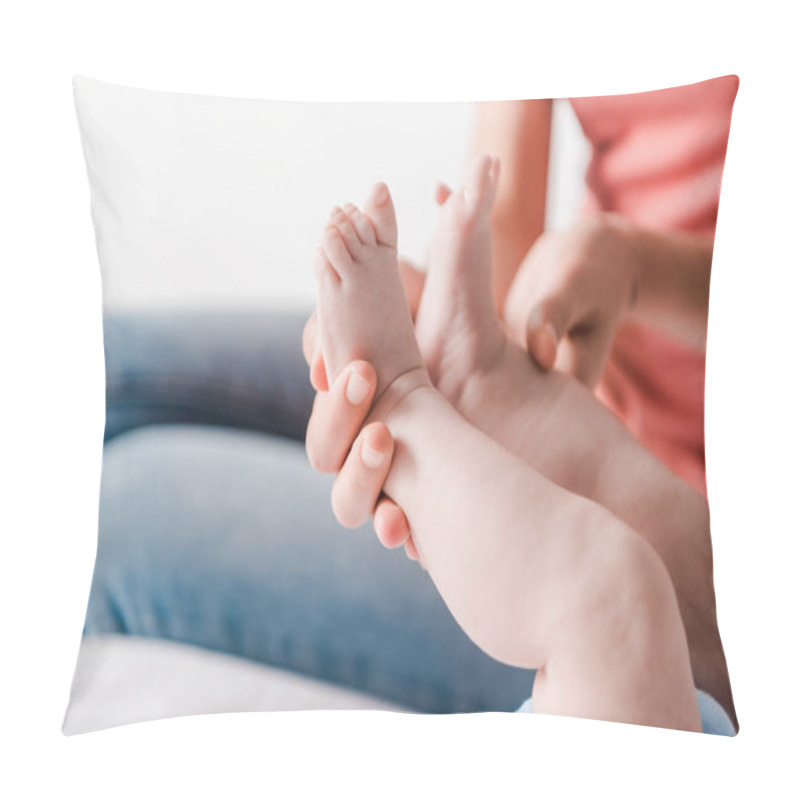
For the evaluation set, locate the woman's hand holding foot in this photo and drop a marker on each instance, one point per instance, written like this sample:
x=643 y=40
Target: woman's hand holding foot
x=338 y=441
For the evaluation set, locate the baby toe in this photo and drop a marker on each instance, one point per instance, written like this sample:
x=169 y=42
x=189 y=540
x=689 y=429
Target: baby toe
x=336 y=216
x=336 y=250
x=380 y=209
x=361 y=224
x=349 y=235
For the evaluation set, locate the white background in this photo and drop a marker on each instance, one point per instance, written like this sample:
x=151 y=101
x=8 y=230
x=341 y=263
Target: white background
x=203 y=201
x=52 y=400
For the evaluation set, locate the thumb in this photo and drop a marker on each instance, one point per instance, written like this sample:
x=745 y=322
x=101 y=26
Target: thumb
x=313 y=354
x=317 y=372
x=547 y=324
x=589 y=353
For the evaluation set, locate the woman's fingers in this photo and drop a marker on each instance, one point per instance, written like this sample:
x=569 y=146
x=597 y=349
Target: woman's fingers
x=569 y=295
x=393 y=529
x=390 y=523
x=544 y=305
x=360 y=481
x=313 y=355
x=545 y=327
x=584 y=353
x=413 y=553
x=317 y=373
x=338 y=415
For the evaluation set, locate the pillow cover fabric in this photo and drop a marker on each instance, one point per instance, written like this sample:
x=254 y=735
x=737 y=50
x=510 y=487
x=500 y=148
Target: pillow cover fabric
x=213 y=529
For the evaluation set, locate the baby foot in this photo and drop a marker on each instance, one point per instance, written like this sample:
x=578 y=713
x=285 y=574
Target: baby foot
x=470 y=359
x=363 y=313
x=457 y=327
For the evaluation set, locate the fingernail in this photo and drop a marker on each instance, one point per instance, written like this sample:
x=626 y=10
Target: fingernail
x=371 y=458
x=357 y=389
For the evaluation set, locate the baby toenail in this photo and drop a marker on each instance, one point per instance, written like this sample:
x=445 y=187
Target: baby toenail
x=371 y=458
x=357 y=389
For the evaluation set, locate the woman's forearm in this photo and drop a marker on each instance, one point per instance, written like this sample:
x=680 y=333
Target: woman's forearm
x=673 y=275
x=518 y=132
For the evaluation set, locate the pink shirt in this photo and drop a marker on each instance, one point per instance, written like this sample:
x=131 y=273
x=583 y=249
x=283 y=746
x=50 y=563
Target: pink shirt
x=657 y=158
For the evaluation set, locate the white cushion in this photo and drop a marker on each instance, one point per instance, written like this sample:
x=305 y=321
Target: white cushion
x=124 y=679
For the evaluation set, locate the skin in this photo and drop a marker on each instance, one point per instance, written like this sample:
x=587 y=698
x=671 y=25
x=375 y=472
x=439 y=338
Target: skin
x=564 y=294
x=532 y=572
x=573 y=289
x=494 y=385
x=635 y=486
x=518 y=133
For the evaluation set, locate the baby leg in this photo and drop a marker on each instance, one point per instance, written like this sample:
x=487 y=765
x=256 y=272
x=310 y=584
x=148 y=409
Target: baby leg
x=536 y=576
x=554 y=423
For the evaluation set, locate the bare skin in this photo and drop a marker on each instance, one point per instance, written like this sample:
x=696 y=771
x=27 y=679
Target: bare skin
x=575 y=287
x=537 y=576
x=539 y=277
x=556 y=426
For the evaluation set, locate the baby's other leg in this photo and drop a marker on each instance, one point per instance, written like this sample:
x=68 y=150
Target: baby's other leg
x=555 y=424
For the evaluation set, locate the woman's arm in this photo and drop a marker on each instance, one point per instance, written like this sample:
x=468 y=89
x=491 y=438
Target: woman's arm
x=519 y=133
x=673 y=276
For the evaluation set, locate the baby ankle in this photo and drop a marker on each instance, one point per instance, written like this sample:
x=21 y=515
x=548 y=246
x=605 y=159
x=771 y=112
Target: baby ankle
x=397 y=391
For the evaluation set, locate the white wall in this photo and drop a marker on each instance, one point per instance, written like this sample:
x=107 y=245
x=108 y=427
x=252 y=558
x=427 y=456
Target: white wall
x=569 y=157
x=216 y=202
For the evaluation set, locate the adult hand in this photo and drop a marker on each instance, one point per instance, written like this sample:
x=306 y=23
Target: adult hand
x=571 y=292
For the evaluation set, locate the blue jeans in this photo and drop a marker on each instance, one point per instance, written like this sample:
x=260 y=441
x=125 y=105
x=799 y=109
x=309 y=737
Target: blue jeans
x=215 y=531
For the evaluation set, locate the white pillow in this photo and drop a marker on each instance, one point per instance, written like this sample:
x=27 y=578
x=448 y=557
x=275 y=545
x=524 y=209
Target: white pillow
x=212 y=201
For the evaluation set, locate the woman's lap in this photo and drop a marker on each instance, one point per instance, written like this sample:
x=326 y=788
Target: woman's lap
x=225 y=539
x=241 y=370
